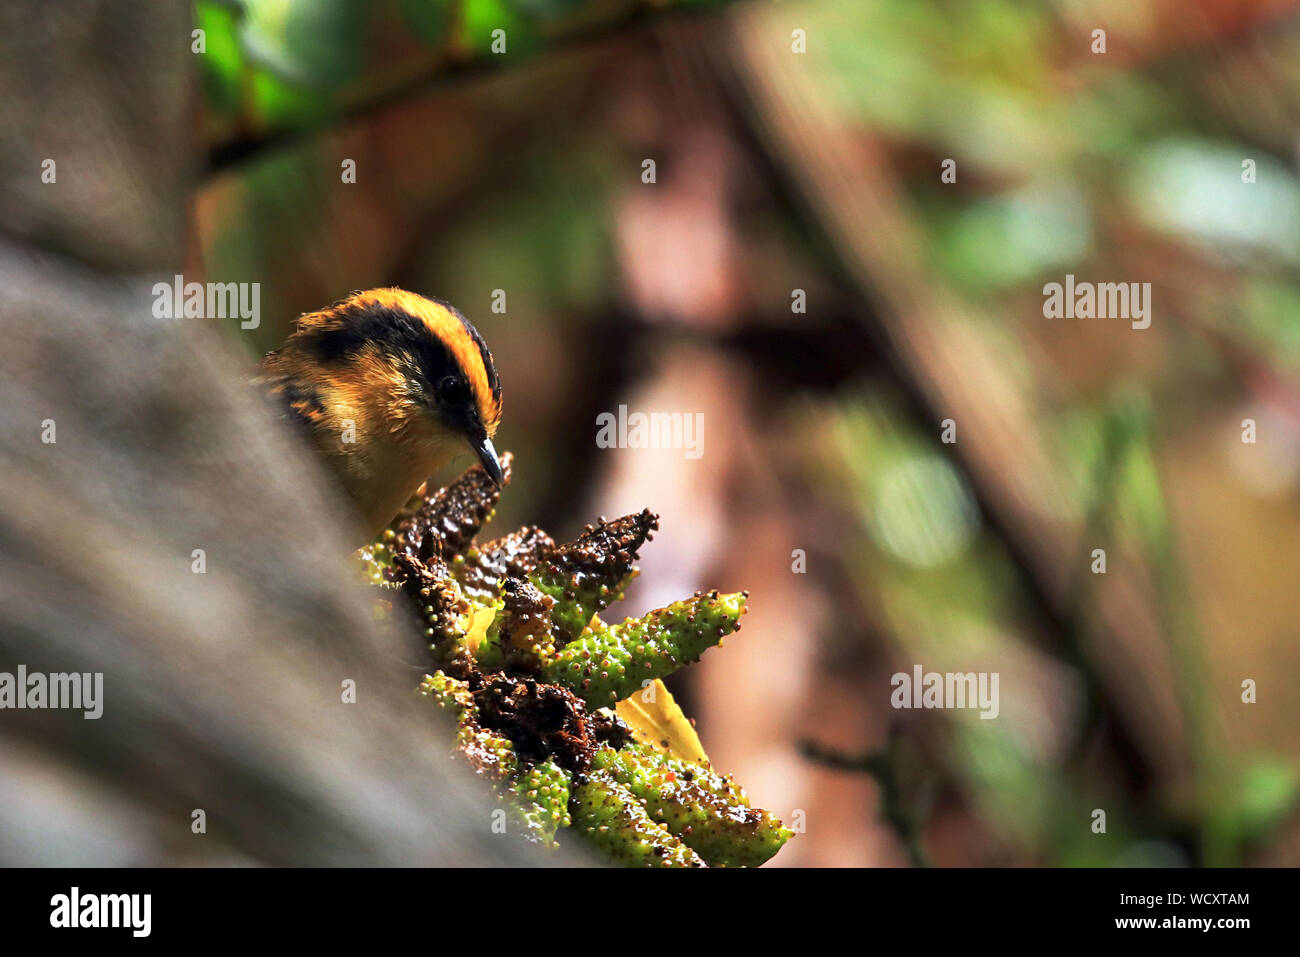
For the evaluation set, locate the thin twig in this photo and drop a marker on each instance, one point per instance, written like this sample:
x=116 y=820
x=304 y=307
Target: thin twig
x=901 y=816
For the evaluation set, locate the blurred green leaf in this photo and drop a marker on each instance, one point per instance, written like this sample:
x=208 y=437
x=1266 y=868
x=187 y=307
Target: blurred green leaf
x=223 y=62
x=429 y=20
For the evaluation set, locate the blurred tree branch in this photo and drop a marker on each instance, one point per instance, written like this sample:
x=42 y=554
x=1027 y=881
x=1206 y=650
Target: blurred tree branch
x=951 y=368
x=449 y=66
x=902 y=808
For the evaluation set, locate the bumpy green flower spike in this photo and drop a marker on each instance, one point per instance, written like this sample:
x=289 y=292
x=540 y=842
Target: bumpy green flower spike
x=441 y=525
x=708 y=811
x=541 y=794
x=538 y=795
x=519 y=637
x=488 y=753
x=587 y=574
x=447 y=521
x=482 y=569
x=612 y=819
x=450 y=694
x=530 y=680
x=444 y=611
x=609 y=663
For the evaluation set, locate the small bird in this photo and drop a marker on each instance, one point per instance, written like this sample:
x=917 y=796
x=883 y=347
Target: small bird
x=390 y=386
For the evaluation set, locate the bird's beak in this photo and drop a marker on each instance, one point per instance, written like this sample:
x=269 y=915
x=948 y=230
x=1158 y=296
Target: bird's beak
x=487 y=457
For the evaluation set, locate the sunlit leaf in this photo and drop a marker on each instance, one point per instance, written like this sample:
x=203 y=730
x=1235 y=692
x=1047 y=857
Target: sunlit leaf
x=483 y=617
x=661 y=724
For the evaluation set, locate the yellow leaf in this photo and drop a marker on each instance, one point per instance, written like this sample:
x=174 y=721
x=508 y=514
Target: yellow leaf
x=661 y=724
x=478 y=627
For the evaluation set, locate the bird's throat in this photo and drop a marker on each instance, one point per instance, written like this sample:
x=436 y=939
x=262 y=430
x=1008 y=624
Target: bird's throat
x=379 y=484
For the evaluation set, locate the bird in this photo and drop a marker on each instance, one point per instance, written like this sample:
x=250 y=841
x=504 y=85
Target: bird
x=388 y=386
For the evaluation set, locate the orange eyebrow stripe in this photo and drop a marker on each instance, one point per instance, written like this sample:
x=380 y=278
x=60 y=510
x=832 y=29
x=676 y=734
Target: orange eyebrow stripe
x=450 y=329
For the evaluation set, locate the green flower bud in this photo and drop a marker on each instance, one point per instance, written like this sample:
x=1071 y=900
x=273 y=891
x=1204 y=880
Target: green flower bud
x=610 y=817
x=609 y=663
x=708 y=811
x=541 y=796
x=588 y=573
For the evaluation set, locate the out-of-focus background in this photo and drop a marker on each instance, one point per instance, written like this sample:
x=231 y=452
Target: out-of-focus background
x=796 y=269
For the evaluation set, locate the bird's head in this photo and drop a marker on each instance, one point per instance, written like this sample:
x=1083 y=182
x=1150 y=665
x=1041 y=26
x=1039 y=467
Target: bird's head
x=411 y=370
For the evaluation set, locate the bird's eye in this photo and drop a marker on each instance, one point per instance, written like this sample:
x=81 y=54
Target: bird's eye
x=451 y=391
